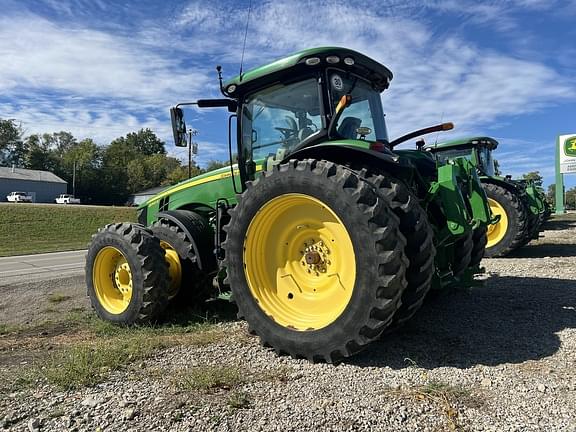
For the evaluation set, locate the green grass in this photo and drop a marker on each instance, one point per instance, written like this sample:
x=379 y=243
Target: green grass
x=90 y=364
x=58 y=297
x=103 y=348
x=31 y=228
x=239 y=400
x=210 y=377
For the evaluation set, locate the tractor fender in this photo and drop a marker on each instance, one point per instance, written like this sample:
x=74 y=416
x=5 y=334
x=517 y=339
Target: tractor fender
x=197 y=231
x=346 y=154
x=502 y=183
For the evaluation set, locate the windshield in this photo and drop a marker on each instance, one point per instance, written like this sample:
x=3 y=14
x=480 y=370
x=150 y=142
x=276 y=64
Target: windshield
x=365 y=110
x=486 y=162
x=277 y=119
x=445 y=155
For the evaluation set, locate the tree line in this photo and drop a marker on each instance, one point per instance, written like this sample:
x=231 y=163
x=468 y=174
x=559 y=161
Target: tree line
x=129 y=164
x=103 y=174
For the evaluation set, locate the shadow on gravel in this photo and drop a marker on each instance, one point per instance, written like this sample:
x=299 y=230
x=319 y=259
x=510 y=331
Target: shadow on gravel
x=509 y=320
x=560 y=223
x=544 y=250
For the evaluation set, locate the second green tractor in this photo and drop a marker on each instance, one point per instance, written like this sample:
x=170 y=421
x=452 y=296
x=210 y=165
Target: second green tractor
x=520 y=205
x=325 y=235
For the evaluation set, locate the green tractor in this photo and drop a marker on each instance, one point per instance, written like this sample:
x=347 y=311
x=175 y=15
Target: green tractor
x=520 y=205
x=325 y=236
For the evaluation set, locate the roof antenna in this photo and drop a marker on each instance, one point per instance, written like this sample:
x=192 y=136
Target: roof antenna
x=245 y=35
x=436 y=142
x=438 y=134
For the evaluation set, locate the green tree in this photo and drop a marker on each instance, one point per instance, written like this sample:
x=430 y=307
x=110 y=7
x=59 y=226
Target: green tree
x=214 y=165
x=150 y=171
x=145 y=142
x=180 y=173
x=38 y=154
x=85 y=158
x=534 y=176
x=12 y=147
x=551 y=194
x=127 y=166
x=571 y=199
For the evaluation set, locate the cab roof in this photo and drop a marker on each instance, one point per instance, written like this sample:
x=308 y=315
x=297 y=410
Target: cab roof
x=295 y=64
x=483 y=141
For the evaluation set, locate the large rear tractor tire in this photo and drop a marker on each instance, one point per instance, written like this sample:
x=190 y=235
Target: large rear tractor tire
x=187 y=281
x=419 y=250
x=479 y=238
x=462 y=256
x=315 y=259
x=126 y=274
x=533 y=228
x=509 y=232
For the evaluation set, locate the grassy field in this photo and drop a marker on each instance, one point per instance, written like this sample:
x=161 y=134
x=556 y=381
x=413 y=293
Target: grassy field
x=33 y=228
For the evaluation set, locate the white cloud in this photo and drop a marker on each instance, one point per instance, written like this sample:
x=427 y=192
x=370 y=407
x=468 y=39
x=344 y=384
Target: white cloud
x=103 y=83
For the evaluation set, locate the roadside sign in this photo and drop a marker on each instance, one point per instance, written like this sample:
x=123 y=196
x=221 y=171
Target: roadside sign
x=567 y=152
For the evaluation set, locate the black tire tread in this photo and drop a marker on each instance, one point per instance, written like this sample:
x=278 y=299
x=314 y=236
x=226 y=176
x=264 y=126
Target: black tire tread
x=419 y=250
x=462 y=253
x=152 y=263
x=480 y=239
x=194 y=287
x=520 y=227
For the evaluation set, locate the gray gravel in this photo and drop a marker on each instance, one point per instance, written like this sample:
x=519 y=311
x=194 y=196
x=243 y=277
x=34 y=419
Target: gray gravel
x=498 y=357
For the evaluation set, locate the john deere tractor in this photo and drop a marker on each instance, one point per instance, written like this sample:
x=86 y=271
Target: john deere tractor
x=520 y=205
x=325 y=236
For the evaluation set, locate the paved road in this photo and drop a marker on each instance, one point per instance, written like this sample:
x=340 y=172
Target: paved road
x=41 y=266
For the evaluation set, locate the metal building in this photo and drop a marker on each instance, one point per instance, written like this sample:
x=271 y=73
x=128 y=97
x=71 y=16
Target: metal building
x=141 y=197
x=43 y=186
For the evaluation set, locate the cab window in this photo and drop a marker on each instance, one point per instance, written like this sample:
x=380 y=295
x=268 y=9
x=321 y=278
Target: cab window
x=277 y=119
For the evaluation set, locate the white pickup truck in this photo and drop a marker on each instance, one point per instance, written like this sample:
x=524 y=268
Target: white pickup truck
x=18 y=197
x=67 y=199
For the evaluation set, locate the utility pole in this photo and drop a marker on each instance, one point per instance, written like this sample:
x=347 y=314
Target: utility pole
x=74 y=179
x=191 y=133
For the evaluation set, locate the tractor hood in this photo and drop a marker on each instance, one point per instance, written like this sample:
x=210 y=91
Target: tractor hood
x=488 y=142
x=217 y=174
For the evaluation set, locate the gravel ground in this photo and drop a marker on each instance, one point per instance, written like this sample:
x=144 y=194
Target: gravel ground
x=497 y=357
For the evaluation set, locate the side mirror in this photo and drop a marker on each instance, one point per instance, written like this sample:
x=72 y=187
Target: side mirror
x=178 y=127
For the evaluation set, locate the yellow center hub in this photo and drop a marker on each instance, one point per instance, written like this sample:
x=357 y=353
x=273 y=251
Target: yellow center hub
x=497 y=231
x=299 y=262
x=174 y=269
x=112 y=279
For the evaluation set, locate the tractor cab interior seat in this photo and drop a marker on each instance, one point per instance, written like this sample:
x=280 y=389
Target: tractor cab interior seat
x=348 y=126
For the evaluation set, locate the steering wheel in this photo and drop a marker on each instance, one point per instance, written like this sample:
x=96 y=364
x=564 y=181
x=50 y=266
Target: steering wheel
x=290 y=131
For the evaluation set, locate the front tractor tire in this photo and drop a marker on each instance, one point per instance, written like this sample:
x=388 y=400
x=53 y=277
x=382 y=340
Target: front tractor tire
x=315 y=260
x=508 y=233
x=126 y=274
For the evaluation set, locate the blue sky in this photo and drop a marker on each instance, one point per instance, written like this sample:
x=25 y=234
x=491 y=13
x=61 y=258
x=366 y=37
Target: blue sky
x=102 y=68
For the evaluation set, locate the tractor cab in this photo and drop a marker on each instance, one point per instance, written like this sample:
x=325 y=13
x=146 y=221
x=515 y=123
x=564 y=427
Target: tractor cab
x=478 y=150
x=311 y=97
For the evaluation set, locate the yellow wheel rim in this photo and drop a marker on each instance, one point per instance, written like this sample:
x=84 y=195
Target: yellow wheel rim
x=112 y=279
x=299 y=262
x=174 y=269
x=497 y=231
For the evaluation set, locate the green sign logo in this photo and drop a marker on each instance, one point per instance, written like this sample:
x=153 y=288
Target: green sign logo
x=570 y=146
